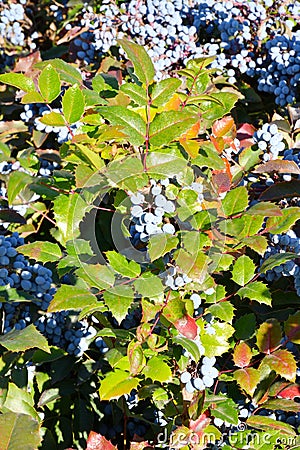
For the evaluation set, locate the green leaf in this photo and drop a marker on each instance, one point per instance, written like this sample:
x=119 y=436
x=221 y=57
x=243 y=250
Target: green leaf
x=278 y=225
x=157 y=370
x=32 y=97
x=19 y=81
x=235 y=201
x=98 y=83
x=136 y=93
x=265 y=209
x=41 y=251
x=96 y=275
x=16 y=183
x=248 y=379
x=53 y=119
x=149 y=285
x=129 y=269
x=256 y=291
x=127 y=173
x=165 y=164
x=268 y=336
x=284 y=189
x=132 y=123
x=19 y=401
x=282 y=403
x=49 y=83
x=160 y=244
x=163 y=90
x=276 y=260
x=292 y=328
x=116 y=384
x=212 y=111
x=216 y=344
x=118 y=300
x=222 y=310
x=21 y=340
x=226 y=411
x=267 y=424
x=143 y=66
x=69 y=211
x=257 y=243
x=245 y=326
x=243 y=270
x=282 y=362
x=19 y=431
x=73 y=104
x=189 y=345
x=170 y=125
x=72 y=298
x=209 y=157
x=66 y=71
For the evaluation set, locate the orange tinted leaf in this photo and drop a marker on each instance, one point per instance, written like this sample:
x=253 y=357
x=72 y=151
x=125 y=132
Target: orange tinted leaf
x=198 y=425
x=268 y=336
x=218 y=143
x=285 y=390
x=292 y=328
x=187 y=326
x=282 y=362
x=191 y=133
x=242 y=354
x=98 y=442
x=173 y=104
x=223 y=126
x=247 y=379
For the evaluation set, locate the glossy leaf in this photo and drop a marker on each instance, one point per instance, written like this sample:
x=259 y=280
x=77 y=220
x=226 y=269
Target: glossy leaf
x=143 y=66
x=256 y=290
x=96 y=275
x=276 y=260
x=169 y=125
x=187 y=326
x=157 y=370
x=49 y=83
x=16 y=183
x=66 y=71
x=292 y=328
x=247 y=379
x=268 y=336
x=21 y=340
x=98 y=83
x=242 y=354
x=54 y=119
x=32 y=97
x=283 y=404
x=160 y=244
x=243 y=270
x=135 y=357
x=118 y=300
x=19 y=81
x=116 y=384
x=189 y=345
x=223 y=126
x=282 y=362
x=222 y=310
x=267 y=424
x=96 y=441
x=235 y=201
x=257 y=243
x=136 y=93
x=19 y=431
x=148 y=285
x=226 y=410
x=11 y=216
x=280 y=190
x=265 y=209
x=69 y=211
x=119 y=263
x=279 y=166
x=71 y=297
x=278 y=225
x=132 y=123
x=41 y=251
x=73 y=104
x=163 y=91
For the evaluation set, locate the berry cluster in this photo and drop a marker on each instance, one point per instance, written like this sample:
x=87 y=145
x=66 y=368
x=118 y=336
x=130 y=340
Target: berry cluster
x=269 y=139
x=148 y=214
x=205 y=376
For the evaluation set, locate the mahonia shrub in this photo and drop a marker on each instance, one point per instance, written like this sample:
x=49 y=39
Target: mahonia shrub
x=155 y=303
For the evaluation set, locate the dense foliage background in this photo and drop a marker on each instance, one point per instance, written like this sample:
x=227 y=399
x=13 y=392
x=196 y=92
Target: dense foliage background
x=150 y=242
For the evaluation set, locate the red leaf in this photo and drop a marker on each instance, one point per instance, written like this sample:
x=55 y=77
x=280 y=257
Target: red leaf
x=282 y=389
x=269 y=336
x=198 y=425
x=98 y=442
x=242 y=354
x=140 y=445
x=223 y=126
x=187 y=326
x=245 y=135
x=222 y=178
